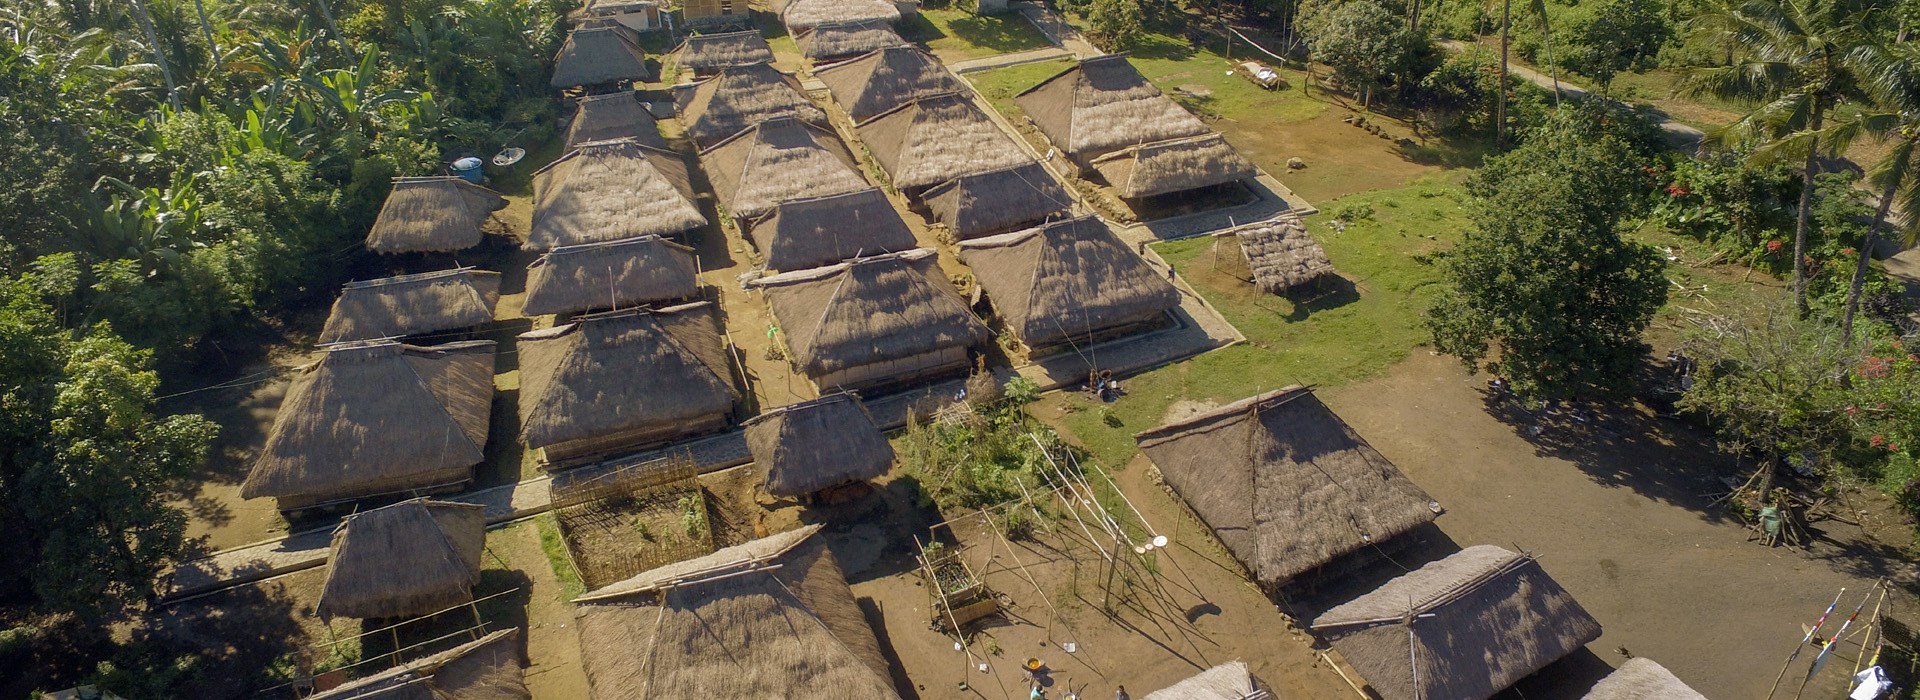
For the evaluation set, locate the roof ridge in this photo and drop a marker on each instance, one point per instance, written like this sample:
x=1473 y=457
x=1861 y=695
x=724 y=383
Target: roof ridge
x=440 y=402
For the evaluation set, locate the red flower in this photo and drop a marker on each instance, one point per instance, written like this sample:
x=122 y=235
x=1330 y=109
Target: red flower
x=1774 y=246
x=1876 y=367
x=1878 y=440
x=1847 y=251
x=1675 y=189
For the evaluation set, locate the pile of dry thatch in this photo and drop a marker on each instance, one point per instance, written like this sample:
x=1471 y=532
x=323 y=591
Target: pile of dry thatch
x=1103 y=105
x=870 y=310
x=488 y=668
x=830 y=41
x=815 y=445
x=885 y=79
x=392 y=307
x=604 y=53
x=432 y=215
x=611 y=275
x=1065 y=280
x=1642 y=679
x=634 y=372
x=778 y=161
x=1228 y=681
x=610 y=191
x=615 y=115
x=1280 y=254
x=707 y=54
x=935 y=139
x=738 y=97
x=1170 y=166
x=801 y=15
x=997 y=201
x=408 y=559
x=804 y=233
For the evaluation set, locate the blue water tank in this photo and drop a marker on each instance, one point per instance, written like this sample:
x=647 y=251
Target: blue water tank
x=468 y=169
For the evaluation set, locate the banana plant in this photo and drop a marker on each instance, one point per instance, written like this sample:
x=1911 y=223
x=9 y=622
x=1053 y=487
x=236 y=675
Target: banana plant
x=154 y=226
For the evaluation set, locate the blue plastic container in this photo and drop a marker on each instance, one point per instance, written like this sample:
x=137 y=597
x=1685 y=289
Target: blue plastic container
x=469 y=169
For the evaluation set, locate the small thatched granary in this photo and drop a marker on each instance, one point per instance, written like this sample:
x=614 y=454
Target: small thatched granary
x=1284 y=483
x=873 y=320
x=803 y=233
x=488 y=668
x=772 y=618
x=601 y=53
x=997 y=201
x=408 y=559
x=1464 y=627
x=1177 y=165
x=812 y=446
x=935 y=139
x=1277 y=255
x=779 y=160
x=885 y=79
x=432 y=215
x=393 y=307
x=1068 y=282
x=801 y=15
x=1103 y=105
x=1228 y=681
x=610 y=191
x=828 y=42
x=615 y=115
x=611 y=275
x=621 y=379
x=1642 y=679
x=707 y=54
x=738 y=97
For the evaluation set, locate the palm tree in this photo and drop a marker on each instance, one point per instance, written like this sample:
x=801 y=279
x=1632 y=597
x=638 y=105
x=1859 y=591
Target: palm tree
x=1895 y=118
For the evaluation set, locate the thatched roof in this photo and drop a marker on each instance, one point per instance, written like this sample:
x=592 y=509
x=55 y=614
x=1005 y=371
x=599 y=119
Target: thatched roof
x=815 y=445
x=803 y=233
x=610 y=191
x=392 y=307
x=411 y=558
x=870 y=310
x=432 y=215
x=738 y=97
x=1103 y=105
x=1285 y=484
x=378 y=418
x=1067 y=278
x=599 y=54
x=772 y=618
x=997 y=201
x=935 y=139
x=1228 y=681
x=705 y=54
x=886 y=79
x=800 y=15
x=488 y=668
x=1465 y=627
x=778 y=161
x=610 y=275
x=615 y=115
x=1174 y=165
x=1642 y=679
x=610 y=373
x=830 y=41
x=1280 y=253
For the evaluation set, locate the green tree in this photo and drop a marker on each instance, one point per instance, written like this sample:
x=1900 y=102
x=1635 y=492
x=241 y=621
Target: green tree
x=1120 y=23
x=1895 y=121
x=1612 y=36
x=1362 y=41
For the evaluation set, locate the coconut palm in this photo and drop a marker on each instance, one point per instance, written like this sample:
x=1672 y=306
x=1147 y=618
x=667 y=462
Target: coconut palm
x=1893 y=118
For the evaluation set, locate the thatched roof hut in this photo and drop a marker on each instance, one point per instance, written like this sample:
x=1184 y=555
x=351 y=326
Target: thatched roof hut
x=408 y=559
x=1175 y=165
x=610 y=191
x=1284 y=483
x=935 y=139
x=599 y=54
x=377 y=418
x=679 y=631
x=1278 y=253
x=392 y=307
x=1102 y=105
x=615 y=115
x=707 y=54
x=624 y=378
x=738 y=97
x=803 y=233
x=1066 y=281
x=873 y=320
x=997 y=201
x=432 y=215
x=777 y=161
x=488 y=668
x=886 y=79
x=1228 y=681
x=1465 y=627
x=815 y=445
x=611 y=275
x=1642 y=679
x=830 y=41
x=801 y=15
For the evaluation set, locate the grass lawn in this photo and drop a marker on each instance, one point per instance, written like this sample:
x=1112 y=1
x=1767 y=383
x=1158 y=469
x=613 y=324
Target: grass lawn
x=956 y=35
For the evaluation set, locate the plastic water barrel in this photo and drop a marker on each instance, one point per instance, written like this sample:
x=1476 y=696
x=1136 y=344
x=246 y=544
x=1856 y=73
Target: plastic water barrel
x=469 y=169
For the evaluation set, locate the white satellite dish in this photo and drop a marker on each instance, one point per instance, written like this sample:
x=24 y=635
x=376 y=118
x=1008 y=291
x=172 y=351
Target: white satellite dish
x=1160 y=540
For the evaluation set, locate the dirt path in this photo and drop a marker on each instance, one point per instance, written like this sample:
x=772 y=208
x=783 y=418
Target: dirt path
x=1680 y=135
x=553 y=649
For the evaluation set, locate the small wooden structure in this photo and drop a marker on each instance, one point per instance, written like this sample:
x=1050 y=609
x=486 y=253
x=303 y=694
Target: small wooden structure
x=1277 y=255
x=633 y=518
x=956 y=595
x=714 y=14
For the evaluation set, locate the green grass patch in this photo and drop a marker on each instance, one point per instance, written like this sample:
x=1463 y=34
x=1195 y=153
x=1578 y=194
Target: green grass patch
x=555 y=547
x=1001 y=84
x=958 y=35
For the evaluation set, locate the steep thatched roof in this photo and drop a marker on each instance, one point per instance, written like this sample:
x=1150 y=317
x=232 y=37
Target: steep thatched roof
x=778 y=161
x=610 y=373
x=1067 y=278
x=488 y=668
x=1463 y=627
x=1285 y=484
x=1280 y=253
x=378 y=418
x=772 y=618
x=705 y=54
x=432 y=215
x=814 y=445
x=1103 y=105
x=738 y=97
x=599 y=54
x=800 y=15
x=803 y=233
x=996 y=201
x=870 y=310
x=610 y=191
x=1228 y=681
x=1175 y=165
x=411 y=558
x=610 y=275
x=830 y=41
x=886 y=79
x=1642 y=679
x=615 y=115
x=392 y=307
x=935 y=139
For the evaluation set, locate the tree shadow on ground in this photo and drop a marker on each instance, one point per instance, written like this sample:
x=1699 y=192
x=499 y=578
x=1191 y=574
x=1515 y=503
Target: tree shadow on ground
x=502 y=595
x=1327 y=293
x=234 y=644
